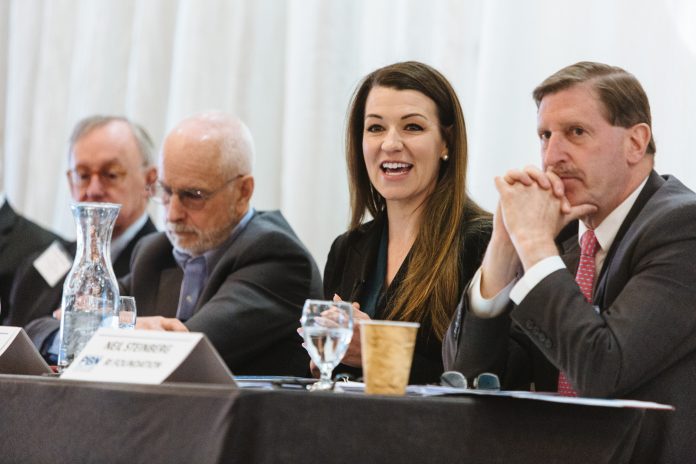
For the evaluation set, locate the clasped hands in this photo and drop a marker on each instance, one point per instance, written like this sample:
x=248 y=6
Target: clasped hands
x=532 y=210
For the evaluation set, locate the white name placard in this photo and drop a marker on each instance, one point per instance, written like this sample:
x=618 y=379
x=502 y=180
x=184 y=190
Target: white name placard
x=148 y=357
x=7 y=334
x=18 y=355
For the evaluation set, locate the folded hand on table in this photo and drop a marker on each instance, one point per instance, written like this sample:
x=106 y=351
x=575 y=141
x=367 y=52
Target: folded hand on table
x=148 y=323
x=160 y=323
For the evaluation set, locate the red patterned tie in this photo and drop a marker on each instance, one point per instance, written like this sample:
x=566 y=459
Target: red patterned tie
x=585 y=279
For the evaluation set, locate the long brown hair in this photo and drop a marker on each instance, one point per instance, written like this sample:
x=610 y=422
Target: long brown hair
x=431 y=288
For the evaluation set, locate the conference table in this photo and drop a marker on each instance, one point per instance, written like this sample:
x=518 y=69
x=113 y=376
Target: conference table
x=52 y=420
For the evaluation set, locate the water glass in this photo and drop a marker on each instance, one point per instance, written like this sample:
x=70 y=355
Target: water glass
x=327 y=327
x=126 y=312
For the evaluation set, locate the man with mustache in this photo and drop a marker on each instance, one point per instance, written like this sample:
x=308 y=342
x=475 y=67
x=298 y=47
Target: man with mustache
x=109 y=160
x=238 y=275
x=602 y=306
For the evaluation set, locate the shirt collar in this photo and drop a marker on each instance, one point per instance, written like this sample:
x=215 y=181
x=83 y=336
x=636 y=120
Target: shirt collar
x=120 y=243
x=2 y=198
x=606 y=231
x=213 y=256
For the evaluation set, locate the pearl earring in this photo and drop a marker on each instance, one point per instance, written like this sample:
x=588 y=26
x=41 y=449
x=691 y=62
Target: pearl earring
x=445 y=157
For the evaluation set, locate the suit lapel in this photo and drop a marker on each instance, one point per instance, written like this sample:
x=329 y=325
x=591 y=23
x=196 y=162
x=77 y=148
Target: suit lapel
x=122 y=264
x=364 y=251
x=220 y=271
x=167 y=300
x=156 y=278
x=568 y=248
x=651 y=186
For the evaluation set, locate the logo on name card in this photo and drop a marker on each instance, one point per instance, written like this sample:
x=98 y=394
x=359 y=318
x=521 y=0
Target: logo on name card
x=87 y=363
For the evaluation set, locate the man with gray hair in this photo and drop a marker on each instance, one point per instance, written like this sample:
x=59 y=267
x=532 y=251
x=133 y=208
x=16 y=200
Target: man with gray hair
x=109 y=160
x=238 y=275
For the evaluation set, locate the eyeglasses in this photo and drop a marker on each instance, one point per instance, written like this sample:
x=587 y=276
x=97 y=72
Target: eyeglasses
x=107 y=177
x=193 y=199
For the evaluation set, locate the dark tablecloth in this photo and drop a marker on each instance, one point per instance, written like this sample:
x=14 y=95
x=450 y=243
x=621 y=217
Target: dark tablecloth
x=48 y=420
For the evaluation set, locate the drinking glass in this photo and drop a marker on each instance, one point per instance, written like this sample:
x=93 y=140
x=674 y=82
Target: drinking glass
x=327 y=327
x=126 y=312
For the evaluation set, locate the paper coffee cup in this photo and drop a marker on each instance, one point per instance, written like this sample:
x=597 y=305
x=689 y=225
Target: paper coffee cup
x=387 y=353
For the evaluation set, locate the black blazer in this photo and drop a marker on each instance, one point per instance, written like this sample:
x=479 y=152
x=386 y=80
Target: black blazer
x=352 y=260
x=19 y=238
x=251 y=304
x=641 y=344
x=32 y=298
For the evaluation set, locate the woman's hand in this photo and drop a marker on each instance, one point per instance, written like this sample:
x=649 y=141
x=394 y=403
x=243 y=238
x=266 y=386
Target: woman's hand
x=353 y=355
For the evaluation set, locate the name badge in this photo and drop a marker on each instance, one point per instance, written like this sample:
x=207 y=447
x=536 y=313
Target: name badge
x=53 y=264
x=148 y=357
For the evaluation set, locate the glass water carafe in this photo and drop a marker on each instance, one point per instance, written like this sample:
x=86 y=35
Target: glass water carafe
x=90 y=291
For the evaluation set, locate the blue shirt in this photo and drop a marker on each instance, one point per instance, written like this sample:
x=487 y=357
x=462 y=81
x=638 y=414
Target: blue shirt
x=196 y=270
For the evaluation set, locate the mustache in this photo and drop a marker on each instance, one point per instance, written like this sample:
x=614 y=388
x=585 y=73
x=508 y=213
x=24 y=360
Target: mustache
x=565 y=171
x=181 y=228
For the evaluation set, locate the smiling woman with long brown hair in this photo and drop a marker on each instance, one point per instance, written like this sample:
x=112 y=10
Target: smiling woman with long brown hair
x=406 y=152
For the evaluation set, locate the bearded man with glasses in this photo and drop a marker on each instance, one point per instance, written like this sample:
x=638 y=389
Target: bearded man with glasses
x=222 y=268
x=109 y=160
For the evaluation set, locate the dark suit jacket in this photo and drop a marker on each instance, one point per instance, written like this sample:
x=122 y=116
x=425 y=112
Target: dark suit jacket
x=642 y=343
x=19 y=238
x=33 y=300
x=252 y=302
x=351 y=262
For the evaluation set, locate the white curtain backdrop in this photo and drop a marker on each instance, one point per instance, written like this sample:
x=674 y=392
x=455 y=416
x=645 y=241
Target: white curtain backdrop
x=288 y=69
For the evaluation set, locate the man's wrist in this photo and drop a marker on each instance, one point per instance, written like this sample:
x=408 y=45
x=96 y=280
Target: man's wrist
x=487 y=307
x=500 y=265
x=532 y=250
x=533 y=276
